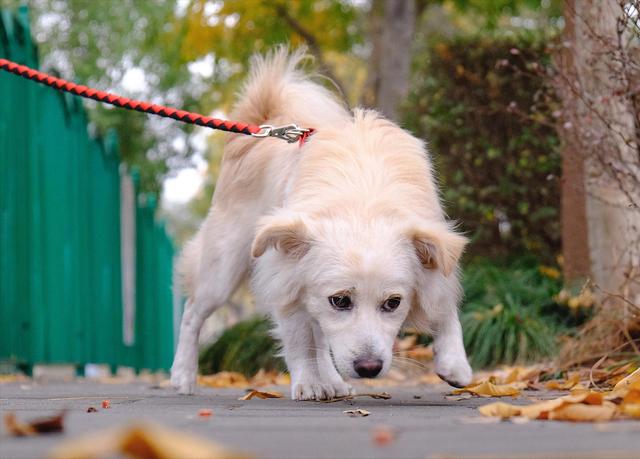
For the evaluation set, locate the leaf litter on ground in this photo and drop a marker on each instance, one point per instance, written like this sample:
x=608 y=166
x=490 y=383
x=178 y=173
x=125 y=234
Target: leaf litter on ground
x=491 y=388
x=253 y=393
x=580 y=405
x=144 y=441
x=232 y=379
x=52 y=424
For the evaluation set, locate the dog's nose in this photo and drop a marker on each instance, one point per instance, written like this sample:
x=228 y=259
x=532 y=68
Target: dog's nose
x=367 y=368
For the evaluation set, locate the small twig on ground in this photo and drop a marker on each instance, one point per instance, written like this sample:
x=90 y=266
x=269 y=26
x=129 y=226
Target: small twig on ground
x=380 y=396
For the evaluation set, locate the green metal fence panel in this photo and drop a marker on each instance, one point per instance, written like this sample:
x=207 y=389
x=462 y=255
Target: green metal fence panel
x=60 y=243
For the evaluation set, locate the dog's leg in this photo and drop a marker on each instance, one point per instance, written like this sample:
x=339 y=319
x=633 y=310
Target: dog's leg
x=224 y=262
x=185 y=362
x=450 y=357
x=326 y=368
x=302 y=357
x=436 y=311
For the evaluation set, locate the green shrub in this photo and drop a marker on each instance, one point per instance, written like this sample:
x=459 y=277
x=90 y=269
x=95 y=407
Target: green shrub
x=483 y=107
x=509 y=314
x=246 y=348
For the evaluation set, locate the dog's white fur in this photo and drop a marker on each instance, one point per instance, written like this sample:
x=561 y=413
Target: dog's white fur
x=354 y=210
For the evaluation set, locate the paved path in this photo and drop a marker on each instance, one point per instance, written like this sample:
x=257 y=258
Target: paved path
x=426 y=427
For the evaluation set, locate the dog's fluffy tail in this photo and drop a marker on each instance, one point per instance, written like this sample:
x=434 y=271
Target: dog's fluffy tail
x=277 y=91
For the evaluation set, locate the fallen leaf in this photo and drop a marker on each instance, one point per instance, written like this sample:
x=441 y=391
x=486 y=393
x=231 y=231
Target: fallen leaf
x=630 y=404
x=489 y=389
x=270 y=378
x=141 y=442
x=357 y=413
x=582 y=406
x=223 y=379
x=405 y=343
x=542 y=409
x=106 y=404
x=579 y=412
x=260 y=394
x=205 y=413
x=383 y=436
x=420 y=353
x=500 y=409
x=12 y=378
x=91 y=409
x=611 y=378
x=628 y=381
x=522 y=374
x=631 y=409
x=51 y=424
x=559 y=384
x=591 y=397
x=622 y=389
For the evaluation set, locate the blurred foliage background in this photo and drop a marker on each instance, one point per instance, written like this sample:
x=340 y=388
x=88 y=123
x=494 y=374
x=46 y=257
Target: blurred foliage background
x=488 y=119
x=476 y=89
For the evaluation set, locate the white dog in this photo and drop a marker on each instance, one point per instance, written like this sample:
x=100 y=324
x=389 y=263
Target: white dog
x=344 y=238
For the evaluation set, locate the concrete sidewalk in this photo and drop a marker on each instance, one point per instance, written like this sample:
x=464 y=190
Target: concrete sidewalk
x=426 y=427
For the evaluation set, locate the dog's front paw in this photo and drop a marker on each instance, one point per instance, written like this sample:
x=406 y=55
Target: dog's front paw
x=319 y=391
x=454 y=369
x=183 y=381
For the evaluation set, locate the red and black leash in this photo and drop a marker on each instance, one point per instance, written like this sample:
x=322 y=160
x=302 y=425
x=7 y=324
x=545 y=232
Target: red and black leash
x=291 y=132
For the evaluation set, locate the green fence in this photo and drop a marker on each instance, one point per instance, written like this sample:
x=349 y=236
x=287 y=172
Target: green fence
x=61 y=282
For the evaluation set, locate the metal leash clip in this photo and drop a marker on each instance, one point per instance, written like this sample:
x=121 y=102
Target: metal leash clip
x=290 y=132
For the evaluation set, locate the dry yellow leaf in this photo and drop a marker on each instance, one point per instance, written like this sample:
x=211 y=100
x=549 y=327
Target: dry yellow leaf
x=141 y=442
x=519 y=374
x=260 y=394
x=500 y=409
x=39 y=426
x=488 y=389
x=541 y=410
x=631 y=409
x=628 y=381
x=270 y=378
x=223 y=379
x=633 y=395
x=579 y=412
x=12 y=378
x=423 y=353
x=559 y=384
x=620 y=391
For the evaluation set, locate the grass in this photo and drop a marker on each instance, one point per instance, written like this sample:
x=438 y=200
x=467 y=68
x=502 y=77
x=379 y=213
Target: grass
x=509 y=313
x=246 y=348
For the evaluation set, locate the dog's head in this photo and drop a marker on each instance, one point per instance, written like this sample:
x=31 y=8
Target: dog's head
x=358 y=282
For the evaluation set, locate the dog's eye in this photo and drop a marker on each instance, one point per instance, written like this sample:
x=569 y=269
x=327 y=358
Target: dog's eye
x=391 y=304
x=341 y=302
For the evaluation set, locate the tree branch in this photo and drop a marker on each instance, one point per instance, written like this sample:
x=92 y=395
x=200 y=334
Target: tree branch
x=313 y=45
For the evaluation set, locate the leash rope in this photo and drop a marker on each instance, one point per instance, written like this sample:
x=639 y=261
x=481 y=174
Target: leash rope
x=291 y=132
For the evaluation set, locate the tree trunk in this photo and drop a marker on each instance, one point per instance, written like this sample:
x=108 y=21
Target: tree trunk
x=390 y=64
x=602 y=127
x=575 y=241
x=375 y=18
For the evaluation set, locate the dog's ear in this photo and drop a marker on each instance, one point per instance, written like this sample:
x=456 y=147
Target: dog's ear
x=438 y=247
x=288 y=235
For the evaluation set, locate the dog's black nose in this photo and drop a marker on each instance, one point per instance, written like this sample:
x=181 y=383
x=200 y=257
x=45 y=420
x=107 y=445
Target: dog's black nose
x=367 y=368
